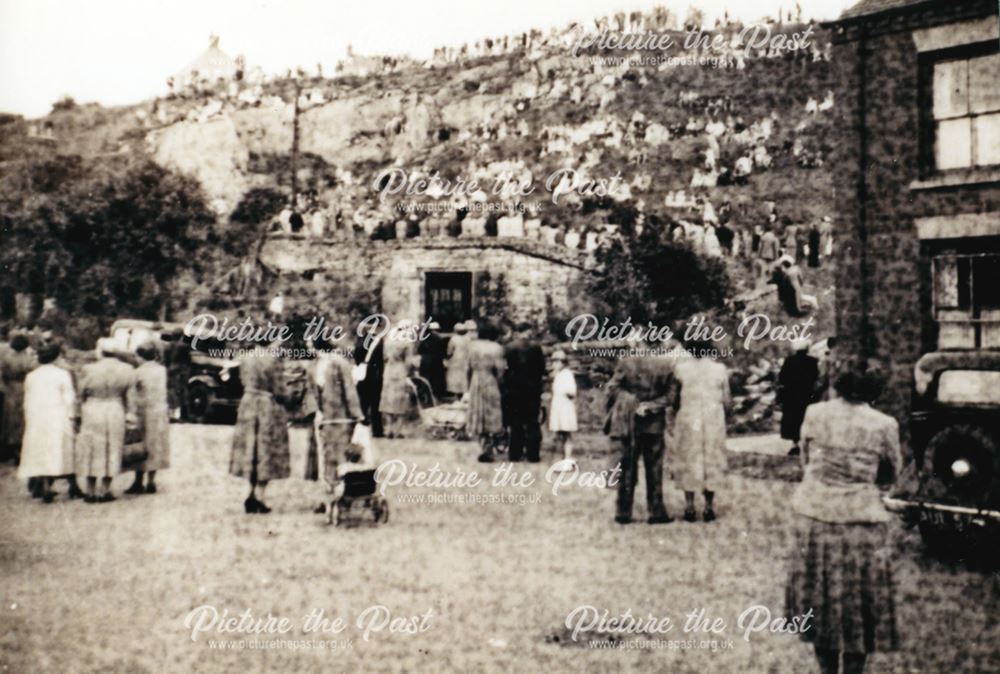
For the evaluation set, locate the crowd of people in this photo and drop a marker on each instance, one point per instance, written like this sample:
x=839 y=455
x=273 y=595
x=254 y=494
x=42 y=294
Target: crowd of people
x=90 y=423
x=667 y=412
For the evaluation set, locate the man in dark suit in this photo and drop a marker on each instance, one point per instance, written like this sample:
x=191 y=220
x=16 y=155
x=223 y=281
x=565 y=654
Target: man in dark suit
x=370 y=388
x=432 y=350
x=637 y=401
x=523 y=385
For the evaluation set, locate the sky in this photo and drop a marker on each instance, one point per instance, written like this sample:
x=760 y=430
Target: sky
x=122 y=51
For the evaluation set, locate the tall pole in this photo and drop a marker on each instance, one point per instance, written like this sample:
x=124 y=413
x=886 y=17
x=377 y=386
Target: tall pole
x=295 y=146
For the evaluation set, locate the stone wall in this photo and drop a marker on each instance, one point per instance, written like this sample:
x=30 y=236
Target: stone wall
x=537 y=277
x=883 y=269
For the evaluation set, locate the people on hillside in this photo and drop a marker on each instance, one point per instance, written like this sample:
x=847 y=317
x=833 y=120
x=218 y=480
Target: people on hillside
x=484 y=416
x=107 y=398
x=635 y=423
x=788 y=277
x=562 y=409
x=814 y=245
x=841 y=563
x=797 y=389
x=153 y=418
x=50 y=418
x=700 y=395
x=260 y=439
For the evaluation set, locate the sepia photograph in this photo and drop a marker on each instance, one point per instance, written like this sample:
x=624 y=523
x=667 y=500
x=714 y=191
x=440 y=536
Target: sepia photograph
x=463 y=336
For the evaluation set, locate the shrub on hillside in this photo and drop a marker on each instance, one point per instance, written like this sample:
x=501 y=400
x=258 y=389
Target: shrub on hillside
x=652 y=278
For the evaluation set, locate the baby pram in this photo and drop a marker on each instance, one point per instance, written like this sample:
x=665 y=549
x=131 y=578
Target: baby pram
x=442 y=420
x=354 y=494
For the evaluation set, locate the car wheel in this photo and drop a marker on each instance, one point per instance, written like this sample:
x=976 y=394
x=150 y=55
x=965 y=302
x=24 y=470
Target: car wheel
x=199 y=403
x=963 y=460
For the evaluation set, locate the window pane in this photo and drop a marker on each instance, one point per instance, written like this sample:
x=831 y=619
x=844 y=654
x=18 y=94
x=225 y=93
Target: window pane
x=953 y=144
x=951 y=97
x=990 y=338
x=990 y=330
x=946 y=283
x=956 y=336
x=984 y=83
x=986 y=283
x=988 y=139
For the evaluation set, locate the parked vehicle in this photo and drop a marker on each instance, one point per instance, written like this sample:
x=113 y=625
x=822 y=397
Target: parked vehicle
x=207 y=387
x=953 y=493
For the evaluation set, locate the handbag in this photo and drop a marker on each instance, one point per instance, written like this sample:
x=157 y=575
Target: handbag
x=134 y=450
x=361 y=438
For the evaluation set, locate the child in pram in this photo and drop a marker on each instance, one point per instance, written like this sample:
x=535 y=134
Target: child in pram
x=346 y=466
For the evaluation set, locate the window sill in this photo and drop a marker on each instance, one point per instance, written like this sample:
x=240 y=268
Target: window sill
x=958 y=178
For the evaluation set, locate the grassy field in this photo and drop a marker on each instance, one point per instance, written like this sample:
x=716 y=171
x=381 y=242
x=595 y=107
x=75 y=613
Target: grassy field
x=108 y=587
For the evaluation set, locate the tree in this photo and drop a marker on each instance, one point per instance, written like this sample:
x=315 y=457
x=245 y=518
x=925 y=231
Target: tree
x=100 y=237
x=652 y=278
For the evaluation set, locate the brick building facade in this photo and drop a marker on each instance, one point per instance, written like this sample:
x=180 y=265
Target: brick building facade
x=918 y=175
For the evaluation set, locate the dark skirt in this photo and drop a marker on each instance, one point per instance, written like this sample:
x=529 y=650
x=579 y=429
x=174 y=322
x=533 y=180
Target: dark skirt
x=792 y=415
x=843 y=572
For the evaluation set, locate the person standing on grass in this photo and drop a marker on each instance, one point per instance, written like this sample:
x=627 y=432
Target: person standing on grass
x=153 y=415
x=636 y=403
x=107 y=398
x=432 y=350
x=369 y=351
x=15 y=364
x=458 y=359
x=562 y=409
x=484 y=416
x=50 y=416
x=524 y=382
x=700 y=395
x=797 y=382
x=841 y=567
x=260 y=450
x=339 y=411
x=397 y=398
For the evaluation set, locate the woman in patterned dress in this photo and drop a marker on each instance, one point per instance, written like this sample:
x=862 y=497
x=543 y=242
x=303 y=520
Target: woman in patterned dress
x=841 y=569
x=107 y=397
x=400 y=357
x=484 y=417
x=152 y=411
x=260 y=440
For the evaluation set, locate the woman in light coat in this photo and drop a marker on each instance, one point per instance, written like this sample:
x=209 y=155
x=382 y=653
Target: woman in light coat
x=458 y=360
x=49 y=422
x=700 y=394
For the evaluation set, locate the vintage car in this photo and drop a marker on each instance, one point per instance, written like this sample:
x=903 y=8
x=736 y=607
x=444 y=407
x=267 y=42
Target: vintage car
x=206 y=387
x=952 y=490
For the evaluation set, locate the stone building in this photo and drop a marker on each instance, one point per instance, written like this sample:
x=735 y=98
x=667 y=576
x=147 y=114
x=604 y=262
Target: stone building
x=918 y=174
x=446 y=279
